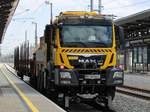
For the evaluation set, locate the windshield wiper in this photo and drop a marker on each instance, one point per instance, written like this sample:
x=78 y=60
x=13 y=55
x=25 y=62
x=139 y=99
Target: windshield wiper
x=81 y=43
x=74 y=44
x=99 y=44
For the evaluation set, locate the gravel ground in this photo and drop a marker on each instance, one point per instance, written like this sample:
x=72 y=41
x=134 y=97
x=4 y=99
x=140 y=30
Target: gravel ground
x=121 y=103
x=124 y=103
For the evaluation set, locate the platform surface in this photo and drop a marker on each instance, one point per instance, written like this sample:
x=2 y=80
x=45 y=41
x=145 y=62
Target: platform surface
x=141 y=81
x=17 y=96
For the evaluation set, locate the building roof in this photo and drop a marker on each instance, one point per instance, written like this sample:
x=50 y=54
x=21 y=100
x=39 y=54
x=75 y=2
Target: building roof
x=7 y=9
x=136 y=28
x=142 y=17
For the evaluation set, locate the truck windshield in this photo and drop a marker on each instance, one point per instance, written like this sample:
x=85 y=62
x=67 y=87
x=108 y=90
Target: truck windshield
x=86 y=36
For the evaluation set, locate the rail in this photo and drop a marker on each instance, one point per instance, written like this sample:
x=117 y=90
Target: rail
x=135 y=92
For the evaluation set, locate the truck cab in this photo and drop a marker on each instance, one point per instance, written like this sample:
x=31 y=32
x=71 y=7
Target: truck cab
x=81 y=57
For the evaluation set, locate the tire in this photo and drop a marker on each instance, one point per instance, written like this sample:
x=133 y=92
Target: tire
x=21 y=76
x=18 y=74
x=50 y=69
x=41 y=82
x=110 y=94
x=53 y=95
x=108 y=102
x=38 y=81
x=33 y=81
x=45 y=75
x=63 y=101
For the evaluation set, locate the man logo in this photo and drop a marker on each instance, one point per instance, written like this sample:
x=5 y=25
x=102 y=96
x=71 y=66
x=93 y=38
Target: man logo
x=87 y=61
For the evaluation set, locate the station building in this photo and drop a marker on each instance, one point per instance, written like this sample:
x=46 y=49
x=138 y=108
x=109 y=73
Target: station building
x=137 y=41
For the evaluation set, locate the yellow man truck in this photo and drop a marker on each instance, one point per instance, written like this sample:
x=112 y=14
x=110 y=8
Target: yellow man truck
x=76 y=59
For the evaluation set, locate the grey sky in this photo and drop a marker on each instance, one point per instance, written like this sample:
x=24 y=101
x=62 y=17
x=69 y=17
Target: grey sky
x=39 y=12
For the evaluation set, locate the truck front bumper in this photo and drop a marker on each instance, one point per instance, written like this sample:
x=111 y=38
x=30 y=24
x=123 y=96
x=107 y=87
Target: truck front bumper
x=67 y=77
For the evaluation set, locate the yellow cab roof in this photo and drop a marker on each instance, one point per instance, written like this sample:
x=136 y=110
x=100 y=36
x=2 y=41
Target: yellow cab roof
x=79 y=13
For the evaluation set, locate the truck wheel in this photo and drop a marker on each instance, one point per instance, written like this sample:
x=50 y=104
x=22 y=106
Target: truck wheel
x=53 y=95
x=63 y=101
x=38 y=81
x=18 y=74
x=110 y=94
x=42 y=82
x=108 y=102
x=50 y=70
x=21 y=76
x=33 y=81
x=66 y=102
x=45 y=74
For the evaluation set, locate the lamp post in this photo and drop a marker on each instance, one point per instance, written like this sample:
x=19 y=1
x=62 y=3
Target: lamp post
x=91 y=5
x=51 y=11
x=36 y=41
x=99 y=6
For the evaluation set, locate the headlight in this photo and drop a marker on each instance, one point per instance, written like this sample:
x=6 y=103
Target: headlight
x=65 y=82
x=118 y=75
x=65 y=75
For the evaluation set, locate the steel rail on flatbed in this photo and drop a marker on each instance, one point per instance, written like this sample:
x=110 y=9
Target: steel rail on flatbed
x=135 y=92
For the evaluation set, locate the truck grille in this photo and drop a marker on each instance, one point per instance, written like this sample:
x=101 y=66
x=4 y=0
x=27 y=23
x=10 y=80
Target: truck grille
x=88 y=62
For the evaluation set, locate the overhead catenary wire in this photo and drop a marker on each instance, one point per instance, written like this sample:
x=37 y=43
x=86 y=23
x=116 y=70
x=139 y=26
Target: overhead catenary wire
x=35 y=10
x=20 y=13
x=22 y=19
x=130 y=5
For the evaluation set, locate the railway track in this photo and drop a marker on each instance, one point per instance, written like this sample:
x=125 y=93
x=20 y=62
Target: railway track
x=128 y=90
x=135 y=92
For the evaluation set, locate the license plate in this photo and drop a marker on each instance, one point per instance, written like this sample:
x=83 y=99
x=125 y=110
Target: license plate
x=92 y=76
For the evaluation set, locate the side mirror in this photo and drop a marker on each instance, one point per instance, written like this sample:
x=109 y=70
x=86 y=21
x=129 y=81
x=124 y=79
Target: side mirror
x=121 y=38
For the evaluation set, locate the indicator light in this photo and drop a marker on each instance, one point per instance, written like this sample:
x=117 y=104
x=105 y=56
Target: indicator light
x=62 y=67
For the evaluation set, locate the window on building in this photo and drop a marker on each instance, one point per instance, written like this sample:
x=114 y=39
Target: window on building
x=145 y=54
x=135 y=55
x=140 y=55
